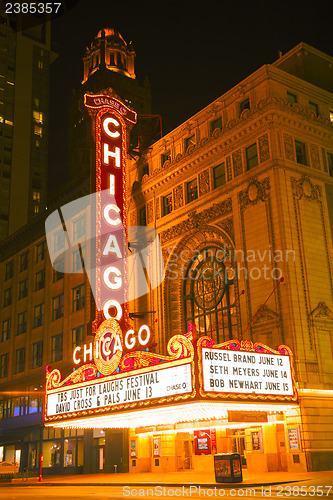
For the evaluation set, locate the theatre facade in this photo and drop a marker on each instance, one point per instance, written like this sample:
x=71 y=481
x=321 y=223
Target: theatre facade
x=208 y=328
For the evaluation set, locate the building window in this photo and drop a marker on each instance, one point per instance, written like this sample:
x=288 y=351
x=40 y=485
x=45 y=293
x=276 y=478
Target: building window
x=165 y=157
x=189 y=141
x=38 y=315
x=24 y=261
x=56 y=348
x=59 y=240
x=4 y=360
x=57 y=307
x=5 y=334
x=206 y=297
x=216 y=124
x=7 y=297
x=79 y=227
x=37 y=354
x=23 y=289
x=36 y=196
x=36 y=182
x=9 y=270
x=167 y=204
x=244 y=105
x=38 y=117
x=300 y=152
x=39 y=280
x=219 y=175
x=38 y=130
x=77 y=336
x=77 y=298
x=251 y=156
x=21 y=323
x=192 y=190
x=19 y=360
x=40 y=251
x=291 y=98
x=77 y=263
x=142 y=216
x=330 y=163
x=58 y=269
x=313 y=107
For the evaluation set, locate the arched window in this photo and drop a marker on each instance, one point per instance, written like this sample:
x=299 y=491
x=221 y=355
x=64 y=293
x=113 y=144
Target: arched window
x=209 y=295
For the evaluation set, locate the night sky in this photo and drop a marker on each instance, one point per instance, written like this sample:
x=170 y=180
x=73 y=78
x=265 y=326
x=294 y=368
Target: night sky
x=191 y=53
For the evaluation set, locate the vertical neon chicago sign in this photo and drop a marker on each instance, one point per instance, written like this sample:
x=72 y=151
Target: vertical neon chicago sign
x=111 y=121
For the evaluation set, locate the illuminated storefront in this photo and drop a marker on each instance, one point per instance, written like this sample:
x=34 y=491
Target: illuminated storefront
x=183 y=408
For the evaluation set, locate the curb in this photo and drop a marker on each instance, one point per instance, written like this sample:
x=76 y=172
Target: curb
x=151 y=485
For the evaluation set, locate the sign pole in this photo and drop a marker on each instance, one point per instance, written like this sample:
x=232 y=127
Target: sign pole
x=40 y=468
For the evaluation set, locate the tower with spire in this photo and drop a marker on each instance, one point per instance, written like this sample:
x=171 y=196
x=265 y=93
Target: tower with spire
x=108 y=63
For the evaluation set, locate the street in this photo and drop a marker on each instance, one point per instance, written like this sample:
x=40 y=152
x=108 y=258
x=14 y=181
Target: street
x=312 y=488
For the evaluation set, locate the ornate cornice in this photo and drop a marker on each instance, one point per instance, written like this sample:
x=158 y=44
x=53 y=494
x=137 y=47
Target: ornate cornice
x=228 y=146
x=196 y=220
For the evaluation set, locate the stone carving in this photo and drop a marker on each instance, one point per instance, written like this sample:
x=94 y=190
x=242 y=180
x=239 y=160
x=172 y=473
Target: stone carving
x=322 y=312
x=203 y=182
x=245 y=114
x=266 y=315
x=289 y=147
x=303 y=187
x=196 y=220
x=216 y=132
x=228 y=227
x=190 y=149
x=229 y=171
x=166 y=164
x=150 y=212
x=158 y=208
x=133 y=218
x=178 y=196
x=264 y=153
x=256 y=191
x=314 y=154
x=237 y=162
x=312 y=367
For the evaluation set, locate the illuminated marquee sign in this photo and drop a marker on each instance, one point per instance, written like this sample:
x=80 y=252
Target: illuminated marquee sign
x=116 y=381
x=194 y=370
x=246 y=370
x=120 y=390
x=112 y=121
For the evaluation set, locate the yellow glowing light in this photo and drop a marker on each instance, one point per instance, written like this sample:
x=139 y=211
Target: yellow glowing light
x=190 y=412
x=316 y=392
x=210 y=425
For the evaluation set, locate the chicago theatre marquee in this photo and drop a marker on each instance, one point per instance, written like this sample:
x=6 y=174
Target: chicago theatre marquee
x=164 y=412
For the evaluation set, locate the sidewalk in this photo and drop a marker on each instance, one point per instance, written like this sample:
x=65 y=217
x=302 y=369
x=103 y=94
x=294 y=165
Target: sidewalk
x=182 y=478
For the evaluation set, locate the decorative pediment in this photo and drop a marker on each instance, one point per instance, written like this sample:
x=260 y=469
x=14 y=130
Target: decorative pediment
x=265 y=316
x=322 y=313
